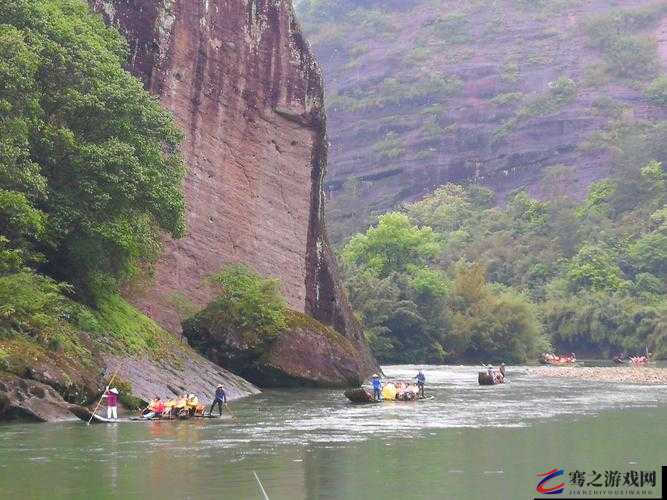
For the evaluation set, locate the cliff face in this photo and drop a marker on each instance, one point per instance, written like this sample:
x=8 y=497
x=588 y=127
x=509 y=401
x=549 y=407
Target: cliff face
x=422 y=93
x=242 y=84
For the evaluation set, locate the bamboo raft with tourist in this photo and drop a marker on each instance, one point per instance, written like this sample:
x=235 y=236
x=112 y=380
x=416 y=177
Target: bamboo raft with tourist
x=398 y=391
x=556 y=360
x=492 y=376
x=638 y=360
x=185 y=407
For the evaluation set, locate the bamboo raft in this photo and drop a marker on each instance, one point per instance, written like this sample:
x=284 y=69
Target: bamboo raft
x=484 y=378
x=361 y=395
x=88 y=416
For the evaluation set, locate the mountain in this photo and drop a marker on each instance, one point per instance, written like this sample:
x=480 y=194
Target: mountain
x=421 y=93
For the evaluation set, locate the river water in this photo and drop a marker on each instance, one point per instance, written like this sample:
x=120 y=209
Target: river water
x=469 y=442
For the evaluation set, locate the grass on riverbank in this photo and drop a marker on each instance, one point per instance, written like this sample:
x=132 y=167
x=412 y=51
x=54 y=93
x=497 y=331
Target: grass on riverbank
x=38 y=321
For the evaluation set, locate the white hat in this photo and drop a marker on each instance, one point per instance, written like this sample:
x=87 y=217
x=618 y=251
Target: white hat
x=114 y=390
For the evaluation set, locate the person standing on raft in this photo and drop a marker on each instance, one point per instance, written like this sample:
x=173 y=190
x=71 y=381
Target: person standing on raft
x=377 y=387
x=421 y=380
x=111 y=396
x=220 y=397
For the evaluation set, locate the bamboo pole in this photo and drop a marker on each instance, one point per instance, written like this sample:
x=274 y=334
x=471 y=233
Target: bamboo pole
x=102 y=397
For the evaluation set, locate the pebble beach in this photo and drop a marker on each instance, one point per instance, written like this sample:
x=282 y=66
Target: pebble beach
x=644 y=375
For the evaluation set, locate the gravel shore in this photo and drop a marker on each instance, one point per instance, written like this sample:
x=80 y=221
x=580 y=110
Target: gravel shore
x=623 y=374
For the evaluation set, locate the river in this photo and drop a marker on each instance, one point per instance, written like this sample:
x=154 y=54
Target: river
x=470 y=442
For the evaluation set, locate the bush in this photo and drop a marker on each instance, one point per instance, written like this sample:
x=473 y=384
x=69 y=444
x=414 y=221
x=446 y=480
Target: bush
x=250 y=303
x=627 y=55
x=390 y=147
x=125 y=395
x=633 y=58
x=31 y=304
x=453 y=29
x=507 y=99
x=563 y=90
x=657 y=91
x=4 y=359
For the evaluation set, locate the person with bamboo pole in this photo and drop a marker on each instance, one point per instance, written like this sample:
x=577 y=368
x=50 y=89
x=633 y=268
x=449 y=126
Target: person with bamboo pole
x=111 y=396
x=106 y=391
x=219 y=399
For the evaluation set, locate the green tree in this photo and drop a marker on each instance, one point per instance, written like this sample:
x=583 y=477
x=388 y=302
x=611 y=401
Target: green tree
x=488 y=326
x=649 y=254
x=449 y=207
x=657 y=91
x=595 y=268
x=21 y=225
x=394 y=245
x=84 y=144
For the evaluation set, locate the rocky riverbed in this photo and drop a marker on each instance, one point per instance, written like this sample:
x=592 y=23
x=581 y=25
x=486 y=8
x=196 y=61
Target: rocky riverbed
x=644 y=375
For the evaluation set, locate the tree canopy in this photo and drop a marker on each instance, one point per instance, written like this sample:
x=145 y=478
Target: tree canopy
x=451 y=277
x=89 y=166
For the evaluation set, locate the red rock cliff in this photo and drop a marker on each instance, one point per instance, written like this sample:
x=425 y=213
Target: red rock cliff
x=244 y=87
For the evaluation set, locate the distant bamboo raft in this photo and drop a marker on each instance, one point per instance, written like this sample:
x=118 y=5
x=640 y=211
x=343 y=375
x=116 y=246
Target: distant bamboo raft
x=484 y=378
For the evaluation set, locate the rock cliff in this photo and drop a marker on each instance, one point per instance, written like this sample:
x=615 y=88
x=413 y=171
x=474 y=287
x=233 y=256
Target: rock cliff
x=422 y=93
x=240 y=80
x=244 y=87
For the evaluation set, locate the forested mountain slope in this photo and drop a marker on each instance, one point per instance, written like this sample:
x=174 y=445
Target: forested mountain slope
x=420 y=93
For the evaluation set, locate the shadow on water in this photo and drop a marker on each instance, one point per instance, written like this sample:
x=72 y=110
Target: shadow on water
x=469 y=442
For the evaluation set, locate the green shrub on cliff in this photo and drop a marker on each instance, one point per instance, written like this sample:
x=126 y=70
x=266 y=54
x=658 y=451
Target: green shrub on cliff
x=85 y=152
x=249 y=303
x=627 y=54
x=4 y=360
x=36 y=309
x=657 y=91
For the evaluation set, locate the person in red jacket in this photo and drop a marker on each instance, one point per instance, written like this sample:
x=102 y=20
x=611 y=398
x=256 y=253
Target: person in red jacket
x=112 y=403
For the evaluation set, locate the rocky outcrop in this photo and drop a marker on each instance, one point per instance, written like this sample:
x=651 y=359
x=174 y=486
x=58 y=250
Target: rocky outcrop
x=25 y=399
x=306 y=353
x=243 y=85
x=43 y=385
x=176 y=372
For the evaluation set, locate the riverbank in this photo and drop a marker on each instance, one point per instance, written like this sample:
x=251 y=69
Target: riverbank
x=644 y=375
x=41 y=380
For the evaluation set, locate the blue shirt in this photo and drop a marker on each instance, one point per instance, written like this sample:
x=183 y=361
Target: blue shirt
x=376 y=383
x=220 y=395
x=421 y=378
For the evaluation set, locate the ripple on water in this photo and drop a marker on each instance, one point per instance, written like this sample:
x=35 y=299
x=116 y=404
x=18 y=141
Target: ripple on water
x=459 y=402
